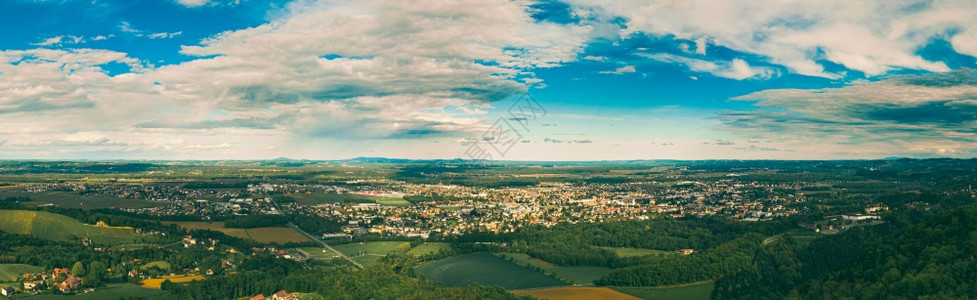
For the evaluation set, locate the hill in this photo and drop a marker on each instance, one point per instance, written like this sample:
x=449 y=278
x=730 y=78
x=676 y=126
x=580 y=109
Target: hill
x=61 y=228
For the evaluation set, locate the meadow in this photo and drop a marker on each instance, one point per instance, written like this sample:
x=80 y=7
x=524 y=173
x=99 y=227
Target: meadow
x=584 y=275
x=632 y=252
x=73 y=200
x=486 y=269
x=61 y=228
x=428 y=248
x=12 y=272
x=576 y=293
x=261 y=234
x=109 y=291
x=367 y=253
x=695 y=291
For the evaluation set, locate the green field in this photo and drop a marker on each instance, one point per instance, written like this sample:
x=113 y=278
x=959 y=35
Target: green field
x=73 y=200
x=110 y=291
x=690 y=292
x=318 y=253
x=428 y=248
x=320 y=198
x=584 y=275
x=632 y=252
x=61 y=228
x=11 y=272
x=162 y=265
x=484 y=268
x=367 y=253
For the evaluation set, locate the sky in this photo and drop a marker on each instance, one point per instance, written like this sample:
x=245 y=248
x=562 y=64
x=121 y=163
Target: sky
x=487 y=79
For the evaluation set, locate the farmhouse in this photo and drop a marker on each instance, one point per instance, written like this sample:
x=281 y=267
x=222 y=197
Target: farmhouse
x=686 y=251
x=7 y=291
x=30 y=285
x=70 y=284
x=258 y=297
x=59 y=271
x=282 y=295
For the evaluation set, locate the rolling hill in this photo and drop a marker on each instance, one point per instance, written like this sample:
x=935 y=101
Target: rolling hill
x=61 y=228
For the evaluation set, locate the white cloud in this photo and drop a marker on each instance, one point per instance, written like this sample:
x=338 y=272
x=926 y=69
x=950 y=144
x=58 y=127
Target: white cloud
x=736 y=69
x=869 y=36
x=620 y=71
x=192 y=3
x=164 y=35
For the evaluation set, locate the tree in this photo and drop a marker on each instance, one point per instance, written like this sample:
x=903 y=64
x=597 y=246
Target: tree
x=95 y=274
x=78 y=269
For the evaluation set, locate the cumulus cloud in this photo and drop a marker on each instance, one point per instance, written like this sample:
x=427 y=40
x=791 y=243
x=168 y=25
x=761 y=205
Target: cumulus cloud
x=621 y=70
x=926 y=113
x=192 y=3
x=872 y=37
x=735 y=69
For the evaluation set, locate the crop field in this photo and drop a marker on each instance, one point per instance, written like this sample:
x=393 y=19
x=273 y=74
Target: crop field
x=156 y=282
x=11 y=272
x=428 y=248
x=486 y=269
x=574 y=293
x=109 y=291
x=61 y=228
x=261 y=234
x=584 y=275
x=690 y=292
x=631 y=252
x=73 y=200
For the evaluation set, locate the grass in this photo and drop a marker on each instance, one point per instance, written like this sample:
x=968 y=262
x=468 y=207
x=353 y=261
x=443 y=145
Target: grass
x=690 y=292
x=428 y=248
x=575 y=293
x=162 y=265
x=632 y=252
x=61 y=228
x=802 y=236
x=320 y=198
x=319 y=253
x=73 y=200
x=574 y=274
x=484 y=268
x=109 y=291
x=261 y=234
x=12 y=272
x=367 y=253
x=156 y=282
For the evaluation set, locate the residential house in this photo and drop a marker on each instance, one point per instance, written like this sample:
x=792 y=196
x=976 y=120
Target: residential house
x=258 y=297
x=7 y=291
x=686 y=251
x=30 y=285
x=283 y=295
x=70 y=284
x=59 y=271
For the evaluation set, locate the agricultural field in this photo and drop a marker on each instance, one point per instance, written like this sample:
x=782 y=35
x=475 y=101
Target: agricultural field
x=261 y=234
x=11 y=272
x=109 y=291
x=632 y=252
x=584 y=275
x=318 y=253
x=486 y=269
x=156 y=282
x=367 y=253
x=73 y=200
x=428 y=248
x=691 y=291
x=574 y=293
x=61 y=228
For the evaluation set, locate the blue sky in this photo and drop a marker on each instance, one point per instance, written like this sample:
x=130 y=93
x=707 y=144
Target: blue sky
x=696 y=79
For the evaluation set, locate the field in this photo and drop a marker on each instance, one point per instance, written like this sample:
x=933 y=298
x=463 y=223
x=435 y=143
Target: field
x=574 y=274
x=162 y=265
x=11 y=272
x=631 y=252
x=110 y=291
x=484 y=268
x=156 y=282
x=61 y=228
x=73 y=200
x=690 y=292
x=262 y=234
x=427 y=248
x=367 y=253
x=574 y=293
x=320 y=198
x=318 y=253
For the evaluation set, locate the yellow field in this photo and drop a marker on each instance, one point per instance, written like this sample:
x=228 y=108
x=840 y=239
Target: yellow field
x=583 y=293
x=261 y=235
x=155 y=283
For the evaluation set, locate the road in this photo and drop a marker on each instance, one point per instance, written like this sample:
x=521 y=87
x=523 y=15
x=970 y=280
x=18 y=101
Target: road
x=312 y=237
